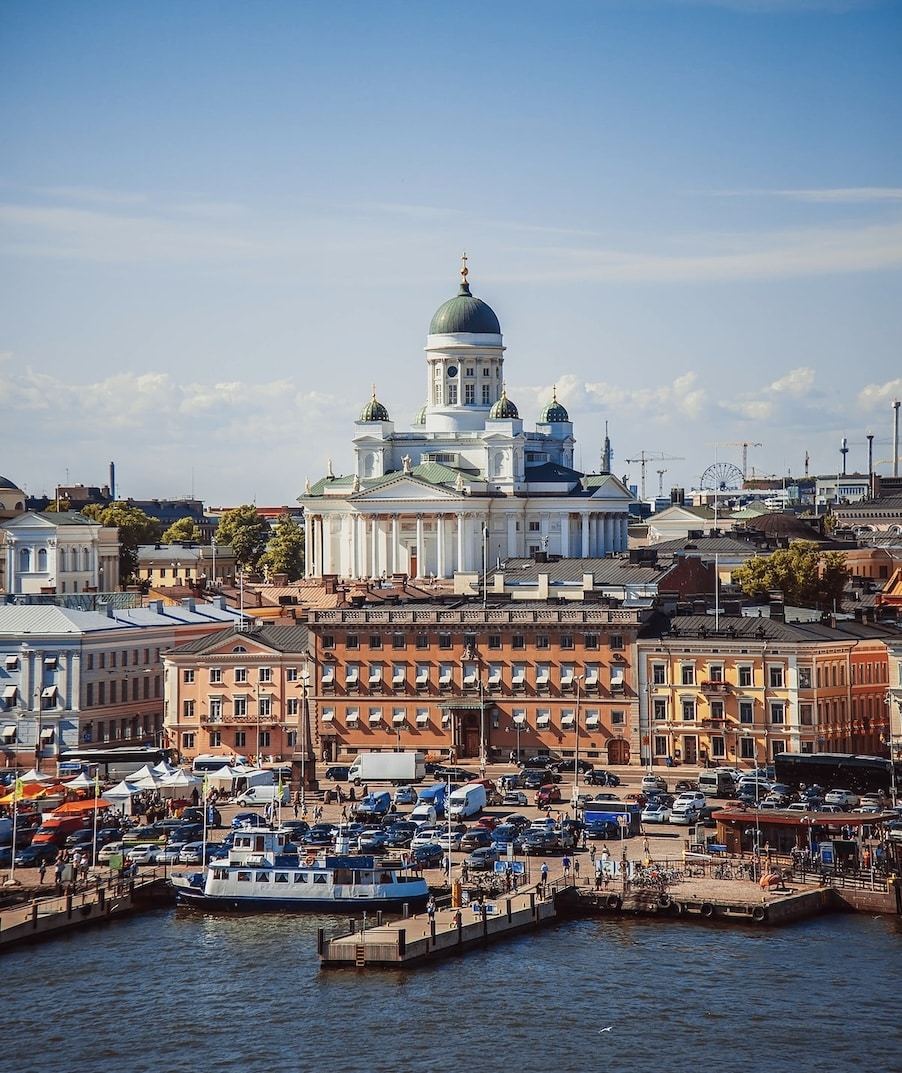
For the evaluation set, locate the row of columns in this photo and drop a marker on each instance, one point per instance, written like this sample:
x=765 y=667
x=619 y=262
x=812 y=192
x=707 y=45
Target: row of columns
x=446 y=543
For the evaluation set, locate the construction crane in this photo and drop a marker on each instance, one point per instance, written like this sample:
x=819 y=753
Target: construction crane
x=745 y=445
x=645 y=457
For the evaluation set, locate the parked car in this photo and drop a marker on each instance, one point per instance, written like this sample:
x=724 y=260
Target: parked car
x=429 y=856
x=476 y=838
x=482 y=859
x=249 y=819
x=655 y=813
x=567 y=767
x=372 y=840
x=404 y=795
x=540 y=762
x=79 y=839
x=198 y=852
x=537 y=842
x=111 y=849
x=515 y=799
x=517 y=819
x=509 y=782
x=602 y=830
x=693 y=798
x=338 y=772
x=599 y=777
x=320 y=834
x=535 y=778
x=400 y=835
x=32 y=856
x=687 y=815
x=143 y=853
x=169 y=854
x=195 y=814
x=454 y=774
x=684 y=785
x=653 y=782
x=844 y=798
x=547 y=795
x=506 y=834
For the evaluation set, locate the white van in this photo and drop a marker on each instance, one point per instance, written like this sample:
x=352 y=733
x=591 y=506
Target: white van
x=466 y=801
x=423 y=814
x=264 y=795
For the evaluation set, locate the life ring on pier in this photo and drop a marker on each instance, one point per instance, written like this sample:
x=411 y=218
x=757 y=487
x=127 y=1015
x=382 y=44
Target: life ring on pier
x=676 y=909
x=758 y=913
x=664 y=901
x=707 y=909
x=613 y=901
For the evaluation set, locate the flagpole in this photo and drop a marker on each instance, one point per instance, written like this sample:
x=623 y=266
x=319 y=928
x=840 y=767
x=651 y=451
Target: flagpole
x=96 y=810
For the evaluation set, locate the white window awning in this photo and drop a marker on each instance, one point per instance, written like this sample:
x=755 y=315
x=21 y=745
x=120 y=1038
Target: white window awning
x=422 y=718
x=50 y=661
x=399 y=718
x=495 y=677
x=47 y=735
x=375 y=718
x=375 y=675
x=542 y=676
x=567 y=677
x=593 y=720
x=48 y=692
x=9 y=733
x=519 y=676
x=543 y=720
x=352 y=676
x=470 y=678
x=328 y=715
x=568 y=719
x=12 y=662
x=422 y=676
x=444 y=679
x=592 y=677
x=520 y=720
x=328 y=675
x=398 y=676
x=352 y=717
x=10 y=693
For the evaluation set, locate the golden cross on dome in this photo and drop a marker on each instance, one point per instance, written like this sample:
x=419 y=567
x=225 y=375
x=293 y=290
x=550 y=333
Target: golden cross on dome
x=464 y=271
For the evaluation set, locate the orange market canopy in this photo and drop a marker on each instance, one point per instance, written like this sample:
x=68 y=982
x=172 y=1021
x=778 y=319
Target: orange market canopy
x=82 y=806
x=31 y=791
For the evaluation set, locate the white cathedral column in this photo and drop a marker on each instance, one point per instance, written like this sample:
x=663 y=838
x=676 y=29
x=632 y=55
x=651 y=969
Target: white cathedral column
x=584 y=554
x=421 y=550
x=565 y=534
x=460 y=541
x=308 y=547
x=513 y=549
x=394 y=543
x=374 y=546
x=440 y=545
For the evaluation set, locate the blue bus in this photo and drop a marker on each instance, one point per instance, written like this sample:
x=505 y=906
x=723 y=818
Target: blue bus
x=627 y=815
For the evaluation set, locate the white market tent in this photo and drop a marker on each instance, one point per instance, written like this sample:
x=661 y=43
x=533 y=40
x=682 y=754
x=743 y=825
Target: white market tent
x=36 y=776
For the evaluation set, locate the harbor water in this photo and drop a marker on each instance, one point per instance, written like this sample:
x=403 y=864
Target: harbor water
x=183 y=991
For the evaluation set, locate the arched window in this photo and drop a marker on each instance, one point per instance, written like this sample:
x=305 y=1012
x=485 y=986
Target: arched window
x=85 y=558
x=61 y=556
x=25 y=560
x=42 y=559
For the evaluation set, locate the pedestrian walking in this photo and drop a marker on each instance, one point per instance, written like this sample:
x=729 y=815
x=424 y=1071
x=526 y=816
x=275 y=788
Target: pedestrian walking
x=544 y=877
x=566 y=863
x=430 y=908
x=42 y=871
x=592 y=856
x=575 y=870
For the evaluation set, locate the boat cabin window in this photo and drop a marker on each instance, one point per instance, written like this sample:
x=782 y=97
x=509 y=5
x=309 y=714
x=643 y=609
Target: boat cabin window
x=262 y=877
x=319 y=879
x=281 y=877
x=245 y=877
x=343 y=875
x=258 y=843
x=385 y=877
x=301 y=877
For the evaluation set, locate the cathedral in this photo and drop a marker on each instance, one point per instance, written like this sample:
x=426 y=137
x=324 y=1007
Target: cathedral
x=467 y=486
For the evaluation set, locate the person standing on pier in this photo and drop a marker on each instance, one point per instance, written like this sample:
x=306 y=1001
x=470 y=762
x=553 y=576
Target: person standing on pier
x=544 y=877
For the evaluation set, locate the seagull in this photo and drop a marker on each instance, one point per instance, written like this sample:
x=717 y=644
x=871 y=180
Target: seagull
x=608 y=1029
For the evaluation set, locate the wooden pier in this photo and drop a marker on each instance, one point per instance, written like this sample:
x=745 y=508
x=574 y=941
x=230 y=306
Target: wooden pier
x=419 y=940
x=52 y=915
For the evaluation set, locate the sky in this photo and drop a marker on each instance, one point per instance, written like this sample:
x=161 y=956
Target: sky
x=222 y=223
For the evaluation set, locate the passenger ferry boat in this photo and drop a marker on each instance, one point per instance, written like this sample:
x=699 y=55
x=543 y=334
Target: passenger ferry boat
x=260 y=875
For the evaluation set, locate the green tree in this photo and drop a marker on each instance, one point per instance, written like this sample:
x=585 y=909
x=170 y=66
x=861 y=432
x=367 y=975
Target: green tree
x=135 y=527
x=246 y=532
x=807 y=576
x=183 y=531
x=285 y=554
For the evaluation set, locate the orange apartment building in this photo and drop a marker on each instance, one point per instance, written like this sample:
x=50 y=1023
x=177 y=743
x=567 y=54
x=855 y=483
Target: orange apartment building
x=750 y=688
x=481 y=682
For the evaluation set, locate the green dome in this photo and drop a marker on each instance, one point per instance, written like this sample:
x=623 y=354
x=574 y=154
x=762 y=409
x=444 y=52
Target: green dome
x=503 y=408
x=464 y=314
x=420 y=418
x=374 y=410
x=554 y=412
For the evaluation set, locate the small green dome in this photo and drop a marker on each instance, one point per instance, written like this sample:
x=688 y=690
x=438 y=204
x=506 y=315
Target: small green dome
x=374 y=410
x=420 y=418
x=554 y=412
x=464 y=314
x=503 y=408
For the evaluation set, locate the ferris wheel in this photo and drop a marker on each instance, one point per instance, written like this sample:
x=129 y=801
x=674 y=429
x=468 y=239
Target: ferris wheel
x=722 y=477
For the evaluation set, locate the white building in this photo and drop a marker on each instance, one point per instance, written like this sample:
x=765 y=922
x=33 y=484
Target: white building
x=57 y=552
x=467 y=484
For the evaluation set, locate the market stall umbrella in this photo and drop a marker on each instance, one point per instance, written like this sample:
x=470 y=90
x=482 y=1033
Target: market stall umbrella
x=35 y=776
x=31 y=791
x=89 y=804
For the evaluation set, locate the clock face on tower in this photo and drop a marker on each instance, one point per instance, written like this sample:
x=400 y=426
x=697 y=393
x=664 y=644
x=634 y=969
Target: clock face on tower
x=452 y=370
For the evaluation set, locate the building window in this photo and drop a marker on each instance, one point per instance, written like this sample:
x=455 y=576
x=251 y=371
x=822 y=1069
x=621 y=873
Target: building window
x=444 y=641
x=777 y=713
x=187 y=709
x=265 y=739
x=188 y=676
x=775 y=677
x=618 y=718
x=187 y=741
x=659 y=710
x=375 y=640
x=398 y=641
x=239 y=707
x=567 y=641
x=240 y=739
x=715 y=672
x=215 y=739
x=495 y=641
x=486 y=391
x=747 y=748
x=804 y=678
x=518 y=642
x=265 y=674
x=688 y=707
x=806 y=715
x=591 y=641
x=661 y=745
x=659 y=674
x=687 y=674
x=215 y=676
x=293 y=706
x=215 y=709
x=718 y=748
x=745 y=677
x=241 y=674
x=422 y=642
x=352 y=641
x=452 y=394
x=291 y=674
x=717 y=709
x=616 y=641
x=89 y=695
x=469 y=394
x=533 y=527
x=291 y=739
x=746 y=712
x=542 y=641
x=328 y=640
x=264 y=707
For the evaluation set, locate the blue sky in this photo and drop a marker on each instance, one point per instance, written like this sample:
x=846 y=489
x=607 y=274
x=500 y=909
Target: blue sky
x=221 y=223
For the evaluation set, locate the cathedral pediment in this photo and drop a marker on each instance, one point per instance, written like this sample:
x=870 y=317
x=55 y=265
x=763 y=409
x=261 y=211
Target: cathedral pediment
x=405 y=486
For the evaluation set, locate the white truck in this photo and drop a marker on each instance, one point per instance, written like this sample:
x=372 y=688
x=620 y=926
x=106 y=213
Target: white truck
x=466 y=801
x=387 y=767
